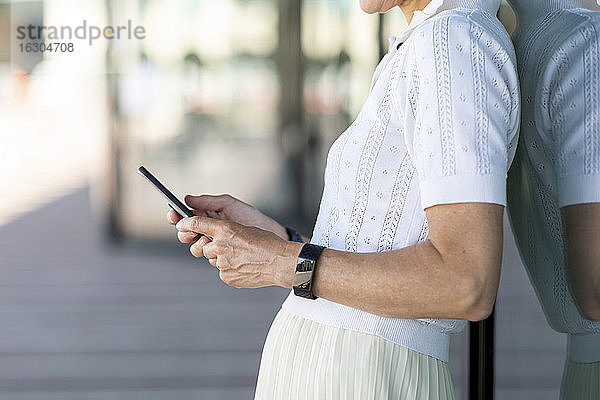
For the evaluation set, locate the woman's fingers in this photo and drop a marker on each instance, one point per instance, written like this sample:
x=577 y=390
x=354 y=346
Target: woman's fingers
x=209 y=203
x=197 y=249
x=188 y=237
x=193 y=230
x=205 y=225
x=173 y=217
x=191 y=237
x=210 y=251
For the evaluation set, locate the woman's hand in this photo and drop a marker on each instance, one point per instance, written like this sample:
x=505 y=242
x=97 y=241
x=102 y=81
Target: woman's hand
x=225 y=207
x=246 y=256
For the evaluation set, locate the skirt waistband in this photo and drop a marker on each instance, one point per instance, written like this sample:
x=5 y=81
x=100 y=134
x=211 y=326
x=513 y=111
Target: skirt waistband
x=583 y=348
x=411 y=333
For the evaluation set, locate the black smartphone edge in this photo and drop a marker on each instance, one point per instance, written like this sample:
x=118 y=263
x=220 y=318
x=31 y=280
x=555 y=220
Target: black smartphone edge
x=174 y=202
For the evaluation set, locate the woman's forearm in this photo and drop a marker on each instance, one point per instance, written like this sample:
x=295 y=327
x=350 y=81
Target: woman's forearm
x=583 y=256
x=453 y=274
x=413 y=282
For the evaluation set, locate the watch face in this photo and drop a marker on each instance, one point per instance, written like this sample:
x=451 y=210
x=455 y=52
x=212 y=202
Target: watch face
x=302 y=277
x=304 y=270
x=305 y=266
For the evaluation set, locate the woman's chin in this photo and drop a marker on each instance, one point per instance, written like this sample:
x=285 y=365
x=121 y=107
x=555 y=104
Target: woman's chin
x=371 y=7
x=369 y=10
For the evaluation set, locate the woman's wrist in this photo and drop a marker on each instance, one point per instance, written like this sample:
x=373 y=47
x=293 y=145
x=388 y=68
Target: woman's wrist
x=287 y=268
x=278 y=229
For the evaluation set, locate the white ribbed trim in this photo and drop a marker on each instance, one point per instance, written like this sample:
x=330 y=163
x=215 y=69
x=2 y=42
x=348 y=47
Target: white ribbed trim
x=463 y=189
x=578 y=189
x=409 y=333
x=583 y=348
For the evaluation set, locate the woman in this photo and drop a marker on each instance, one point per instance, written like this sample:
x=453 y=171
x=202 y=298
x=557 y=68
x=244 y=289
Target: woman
x=554 y=183
x=410 y=219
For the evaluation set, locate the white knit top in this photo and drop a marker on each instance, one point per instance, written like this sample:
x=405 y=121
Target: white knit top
x=558 y=157
x=439 y=126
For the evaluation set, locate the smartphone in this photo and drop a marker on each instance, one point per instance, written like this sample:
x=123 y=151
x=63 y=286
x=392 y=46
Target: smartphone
x=173 y=201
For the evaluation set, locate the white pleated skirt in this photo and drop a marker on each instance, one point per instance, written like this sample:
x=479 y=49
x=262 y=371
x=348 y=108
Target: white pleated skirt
x=581 y=381
x=307 y=360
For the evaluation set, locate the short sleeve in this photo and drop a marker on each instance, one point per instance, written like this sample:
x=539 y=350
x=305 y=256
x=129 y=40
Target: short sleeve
x=464 y=106
x=573 y=85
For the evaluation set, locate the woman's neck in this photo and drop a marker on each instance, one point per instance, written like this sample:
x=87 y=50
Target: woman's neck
x=409 y=7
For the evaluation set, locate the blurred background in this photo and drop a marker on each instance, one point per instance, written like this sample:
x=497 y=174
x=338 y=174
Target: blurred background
x=97 y=299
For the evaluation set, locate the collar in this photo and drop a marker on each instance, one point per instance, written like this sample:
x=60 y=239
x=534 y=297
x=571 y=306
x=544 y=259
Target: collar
x=437 y=6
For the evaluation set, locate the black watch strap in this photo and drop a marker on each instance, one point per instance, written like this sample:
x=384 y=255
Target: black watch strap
x=307 y=260
x=293 y=235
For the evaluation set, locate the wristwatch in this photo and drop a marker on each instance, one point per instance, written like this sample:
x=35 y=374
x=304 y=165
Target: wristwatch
x=307 y=259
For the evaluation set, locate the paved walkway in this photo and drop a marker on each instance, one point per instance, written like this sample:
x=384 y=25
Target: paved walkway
x=82 y=319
